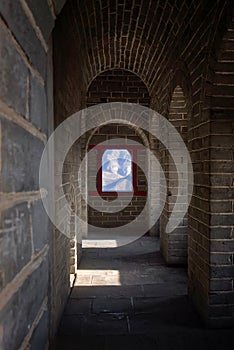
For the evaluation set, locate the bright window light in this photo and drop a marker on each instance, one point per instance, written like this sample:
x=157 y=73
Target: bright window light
x=116 y=171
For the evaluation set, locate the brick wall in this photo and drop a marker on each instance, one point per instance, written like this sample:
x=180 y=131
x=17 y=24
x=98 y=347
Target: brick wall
x=68 y=99
x=174 y=245
x=112 y=86
x=133 y=209
x=220 y=92
x=116 y=86
x=193 y=57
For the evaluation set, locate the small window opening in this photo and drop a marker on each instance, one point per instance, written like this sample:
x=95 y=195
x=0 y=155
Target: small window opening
x=117 y=171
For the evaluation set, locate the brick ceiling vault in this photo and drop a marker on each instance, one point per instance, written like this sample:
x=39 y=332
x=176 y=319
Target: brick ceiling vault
x=137 y=35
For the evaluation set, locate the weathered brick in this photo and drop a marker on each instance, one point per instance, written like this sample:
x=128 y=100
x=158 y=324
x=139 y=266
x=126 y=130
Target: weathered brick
x=21 y=311
x=42 y=15
x=24 y=33
x=220 y=258
x=38 y=105
x=220 y=232
x=15 y=241
x=59 y=5
x=220 y=284
x=222 y=298
x=117 y=85
x=21 y=157
x=222 y=271
x=222 y=220
x=13 y=75
x=40 y=225
x=39 y=337
x=220 y=311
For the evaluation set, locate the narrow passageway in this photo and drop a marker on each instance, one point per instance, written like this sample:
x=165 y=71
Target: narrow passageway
x=117 y=116
x=127 y=298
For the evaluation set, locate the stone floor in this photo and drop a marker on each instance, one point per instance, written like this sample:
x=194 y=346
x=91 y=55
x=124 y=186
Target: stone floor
x=127 y=298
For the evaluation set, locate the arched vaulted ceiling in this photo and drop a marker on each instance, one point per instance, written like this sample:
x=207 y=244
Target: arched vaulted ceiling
x=137 y=35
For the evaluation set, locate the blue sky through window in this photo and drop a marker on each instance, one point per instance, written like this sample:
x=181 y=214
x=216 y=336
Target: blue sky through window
x=116 y=171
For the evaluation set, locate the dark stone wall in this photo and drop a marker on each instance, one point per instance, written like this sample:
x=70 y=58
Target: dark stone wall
x=25 y=123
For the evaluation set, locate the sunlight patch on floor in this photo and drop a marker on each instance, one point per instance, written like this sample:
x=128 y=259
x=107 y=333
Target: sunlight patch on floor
x=102 y=243
x=98 y=278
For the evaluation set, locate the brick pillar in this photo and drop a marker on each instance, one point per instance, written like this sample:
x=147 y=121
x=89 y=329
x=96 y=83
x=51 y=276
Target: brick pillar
x=221 y=168
x=154 y=192
x=174 y=244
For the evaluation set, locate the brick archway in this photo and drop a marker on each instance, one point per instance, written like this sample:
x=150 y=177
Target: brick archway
x=117 y=85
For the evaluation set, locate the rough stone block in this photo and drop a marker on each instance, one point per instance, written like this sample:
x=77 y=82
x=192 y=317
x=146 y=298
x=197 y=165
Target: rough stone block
x=15 y=241
x=59 y=5
x=20 y=26
x=23 y=308
x=13 y=75
x=21 y=155
x=38 y=105
x=42 y=15
x=39 y=336
x=40 y=225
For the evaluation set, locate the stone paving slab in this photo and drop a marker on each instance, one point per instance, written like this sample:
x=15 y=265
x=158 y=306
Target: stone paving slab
x=103 y=324
x=110 y=305
x=102 y=342
x=148 y=309
x=72 y=324
x=164 y=289
x=78 y=306
x=106 y=291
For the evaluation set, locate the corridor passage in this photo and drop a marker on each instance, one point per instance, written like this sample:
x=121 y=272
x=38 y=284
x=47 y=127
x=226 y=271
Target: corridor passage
x=127 y=298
